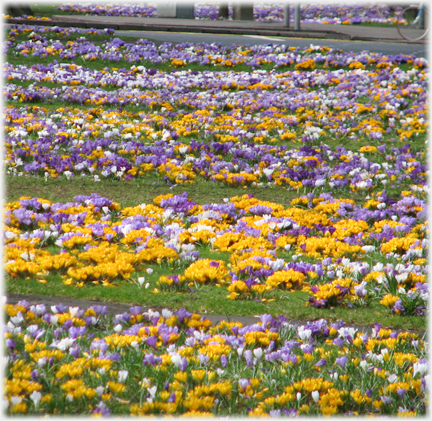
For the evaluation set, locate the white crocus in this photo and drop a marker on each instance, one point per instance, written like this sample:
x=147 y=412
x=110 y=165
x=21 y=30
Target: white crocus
x=258 y=352
x=315 y=396
x=421 y=368
x=122 y=375
x=73 y=311
x=36 y=397
x=392 y=378
x=65 y=344
x=15 y=400
x=176 y=359
x=166 y=314
x=304 y=333
x=152 y=390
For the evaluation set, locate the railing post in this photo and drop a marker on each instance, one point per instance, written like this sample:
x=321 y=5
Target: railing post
x=175 y=9
x=166 y=9
x=286 y=15
x=243 y=11
x=185 y=11
x=297 y=17
x=421 y=17
x=223 y=10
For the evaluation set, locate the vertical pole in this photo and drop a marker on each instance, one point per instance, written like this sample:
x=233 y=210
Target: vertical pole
x=297 y=17
x=286 y=15
x=421 y=16
x=185 y=10
x=223 y=10
x=242 y=11
x=166 y=9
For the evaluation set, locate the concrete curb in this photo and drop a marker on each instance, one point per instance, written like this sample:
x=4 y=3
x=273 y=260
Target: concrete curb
x=215 y=27
x=182 y=28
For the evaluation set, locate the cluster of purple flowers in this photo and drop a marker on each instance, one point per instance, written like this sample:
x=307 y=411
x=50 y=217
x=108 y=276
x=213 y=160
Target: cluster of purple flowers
x=116 y=49
x=110 y=9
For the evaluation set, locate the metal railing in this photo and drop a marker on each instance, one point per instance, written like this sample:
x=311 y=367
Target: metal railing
x=241 y=11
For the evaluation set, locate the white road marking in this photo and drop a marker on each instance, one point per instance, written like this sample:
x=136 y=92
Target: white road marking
x=262 y=37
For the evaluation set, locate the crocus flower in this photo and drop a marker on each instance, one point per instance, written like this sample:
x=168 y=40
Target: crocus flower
x=342 y=361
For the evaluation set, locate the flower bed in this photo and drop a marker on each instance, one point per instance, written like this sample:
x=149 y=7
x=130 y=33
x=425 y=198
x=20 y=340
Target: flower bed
x=310 y=13
x=319 y=245
x=67 y=360
x=231 y=127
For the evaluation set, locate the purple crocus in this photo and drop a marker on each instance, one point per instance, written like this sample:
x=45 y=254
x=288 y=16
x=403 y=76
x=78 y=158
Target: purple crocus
x=248 y=357
x=151 y=359
x=338 y=342
x=321 y=362
x=342 y=361
x=151 y=341
x=183 y=364
x=223 y=360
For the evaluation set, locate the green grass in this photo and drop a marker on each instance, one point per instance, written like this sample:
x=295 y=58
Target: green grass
x=209 y=299
x=134 y=192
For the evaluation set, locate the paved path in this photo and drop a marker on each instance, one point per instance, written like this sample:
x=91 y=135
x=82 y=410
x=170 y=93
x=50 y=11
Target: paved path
x=114 y=308
x=307 y=30
x=119 y=308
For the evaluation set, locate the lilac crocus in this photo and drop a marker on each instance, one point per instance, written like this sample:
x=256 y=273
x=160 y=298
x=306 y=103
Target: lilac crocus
x=401 y=392
x=321 y=362
x=338 y=342
x=360 y=290
x=183 y=364
x=151 y=341
x=244 y=383
x=248 y=357
x=223 y=360
x=342 y=361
